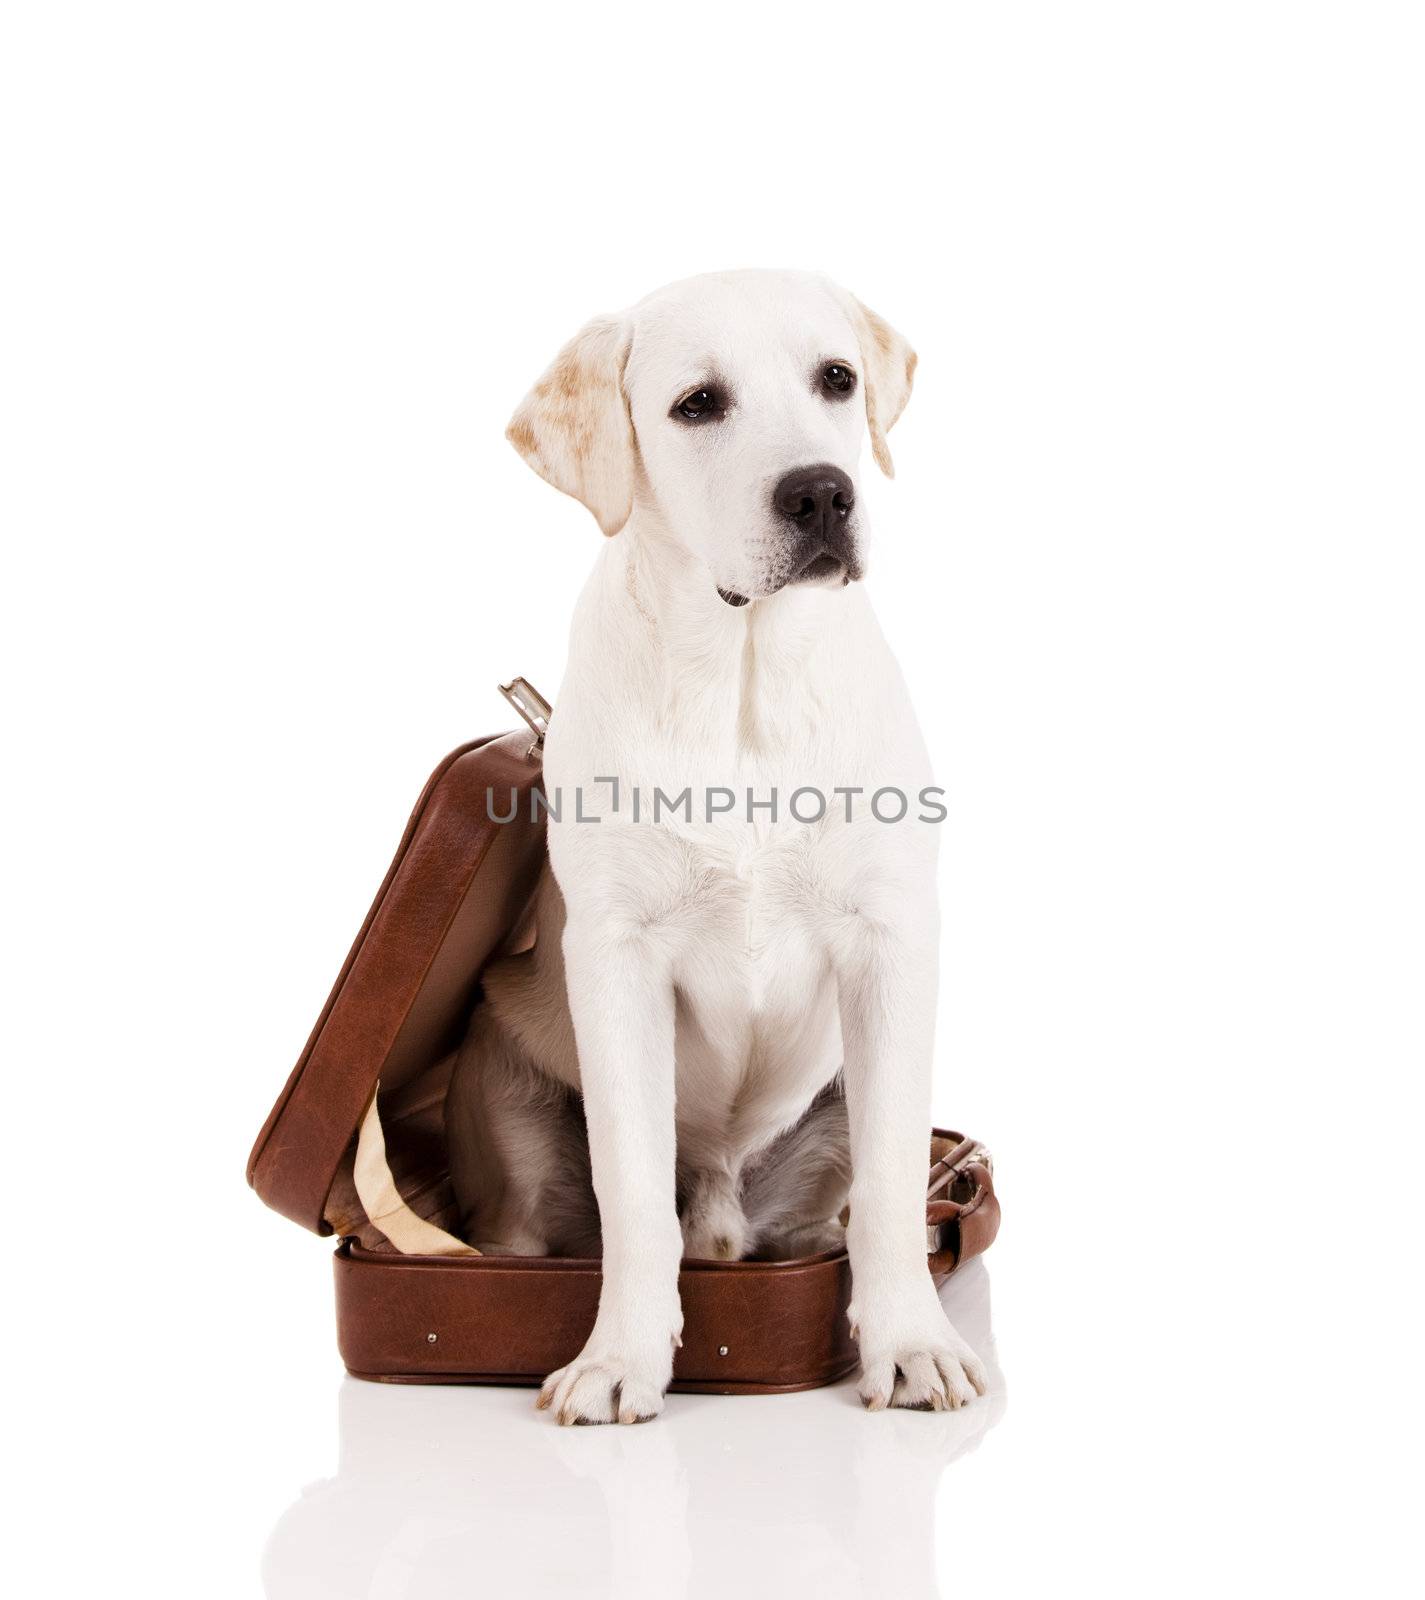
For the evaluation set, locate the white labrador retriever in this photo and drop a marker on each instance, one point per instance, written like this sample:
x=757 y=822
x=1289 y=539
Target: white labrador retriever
x=738 y=1003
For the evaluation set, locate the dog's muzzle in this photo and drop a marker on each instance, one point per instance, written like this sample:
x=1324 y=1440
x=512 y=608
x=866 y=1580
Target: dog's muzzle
x=814 y=505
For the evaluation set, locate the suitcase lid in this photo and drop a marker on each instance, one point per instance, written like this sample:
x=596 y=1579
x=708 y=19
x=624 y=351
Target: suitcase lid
x=457 y=887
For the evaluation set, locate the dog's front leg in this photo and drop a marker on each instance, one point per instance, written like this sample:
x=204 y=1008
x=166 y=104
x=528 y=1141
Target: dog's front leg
x=621 y=999
x=911 y=1355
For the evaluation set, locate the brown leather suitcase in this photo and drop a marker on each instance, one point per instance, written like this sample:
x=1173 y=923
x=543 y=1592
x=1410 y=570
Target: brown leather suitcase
x=454 y=895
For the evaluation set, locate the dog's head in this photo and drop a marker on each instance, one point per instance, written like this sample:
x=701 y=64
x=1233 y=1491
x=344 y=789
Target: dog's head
x=733 y=404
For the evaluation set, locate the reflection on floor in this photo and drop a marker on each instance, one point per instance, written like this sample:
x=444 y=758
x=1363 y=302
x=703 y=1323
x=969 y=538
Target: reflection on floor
x=446 y=1492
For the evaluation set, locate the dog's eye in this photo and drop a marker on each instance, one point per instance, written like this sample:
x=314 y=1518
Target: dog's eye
x=839 y=379
x=702 y=405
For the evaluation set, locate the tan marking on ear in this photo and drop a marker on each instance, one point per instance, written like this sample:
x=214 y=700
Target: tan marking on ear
x=574 y=427
x=521 y=436
x=570 y=376
x=889 y=370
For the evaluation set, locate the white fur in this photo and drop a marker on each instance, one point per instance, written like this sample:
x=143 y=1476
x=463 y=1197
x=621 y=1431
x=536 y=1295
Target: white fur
x=720 y=973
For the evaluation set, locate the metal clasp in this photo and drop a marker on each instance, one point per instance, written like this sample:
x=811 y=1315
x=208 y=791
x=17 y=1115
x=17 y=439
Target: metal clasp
x=532 y=706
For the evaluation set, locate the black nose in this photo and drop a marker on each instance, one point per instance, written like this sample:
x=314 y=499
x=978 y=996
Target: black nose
x=815 y=500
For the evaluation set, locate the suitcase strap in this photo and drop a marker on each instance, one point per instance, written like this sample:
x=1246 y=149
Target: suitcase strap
x=961 y=1212
x=383 y=1203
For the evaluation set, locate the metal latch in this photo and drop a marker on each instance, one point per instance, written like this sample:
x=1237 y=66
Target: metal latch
x=532 y=706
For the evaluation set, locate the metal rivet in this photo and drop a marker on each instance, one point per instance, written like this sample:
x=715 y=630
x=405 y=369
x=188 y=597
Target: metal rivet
x=430 y=1338
x=722 y=1349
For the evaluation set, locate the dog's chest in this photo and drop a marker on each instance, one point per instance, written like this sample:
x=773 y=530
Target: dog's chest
x=757 y=1025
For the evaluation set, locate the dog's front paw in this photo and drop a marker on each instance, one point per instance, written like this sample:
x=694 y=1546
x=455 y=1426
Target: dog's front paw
x=606 y=1385
x=920 y=1364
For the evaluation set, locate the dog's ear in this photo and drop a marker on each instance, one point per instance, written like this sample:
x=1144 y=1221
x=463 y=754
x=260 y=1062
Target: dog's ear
x=574 y=426
x=889 y=365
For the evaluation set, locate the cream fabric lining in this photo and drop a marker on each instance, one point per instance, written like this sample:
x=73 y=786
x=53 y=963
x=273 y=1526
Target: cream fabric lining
x=381 y=1199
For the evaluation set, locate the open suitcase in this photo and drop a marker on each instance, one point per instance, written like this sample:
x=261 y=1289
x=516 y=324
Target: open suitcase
x=334 y=1154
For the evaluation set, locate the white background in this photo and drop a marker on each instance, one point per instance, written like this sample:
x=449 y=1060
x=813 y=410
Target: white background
x=276 y=275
